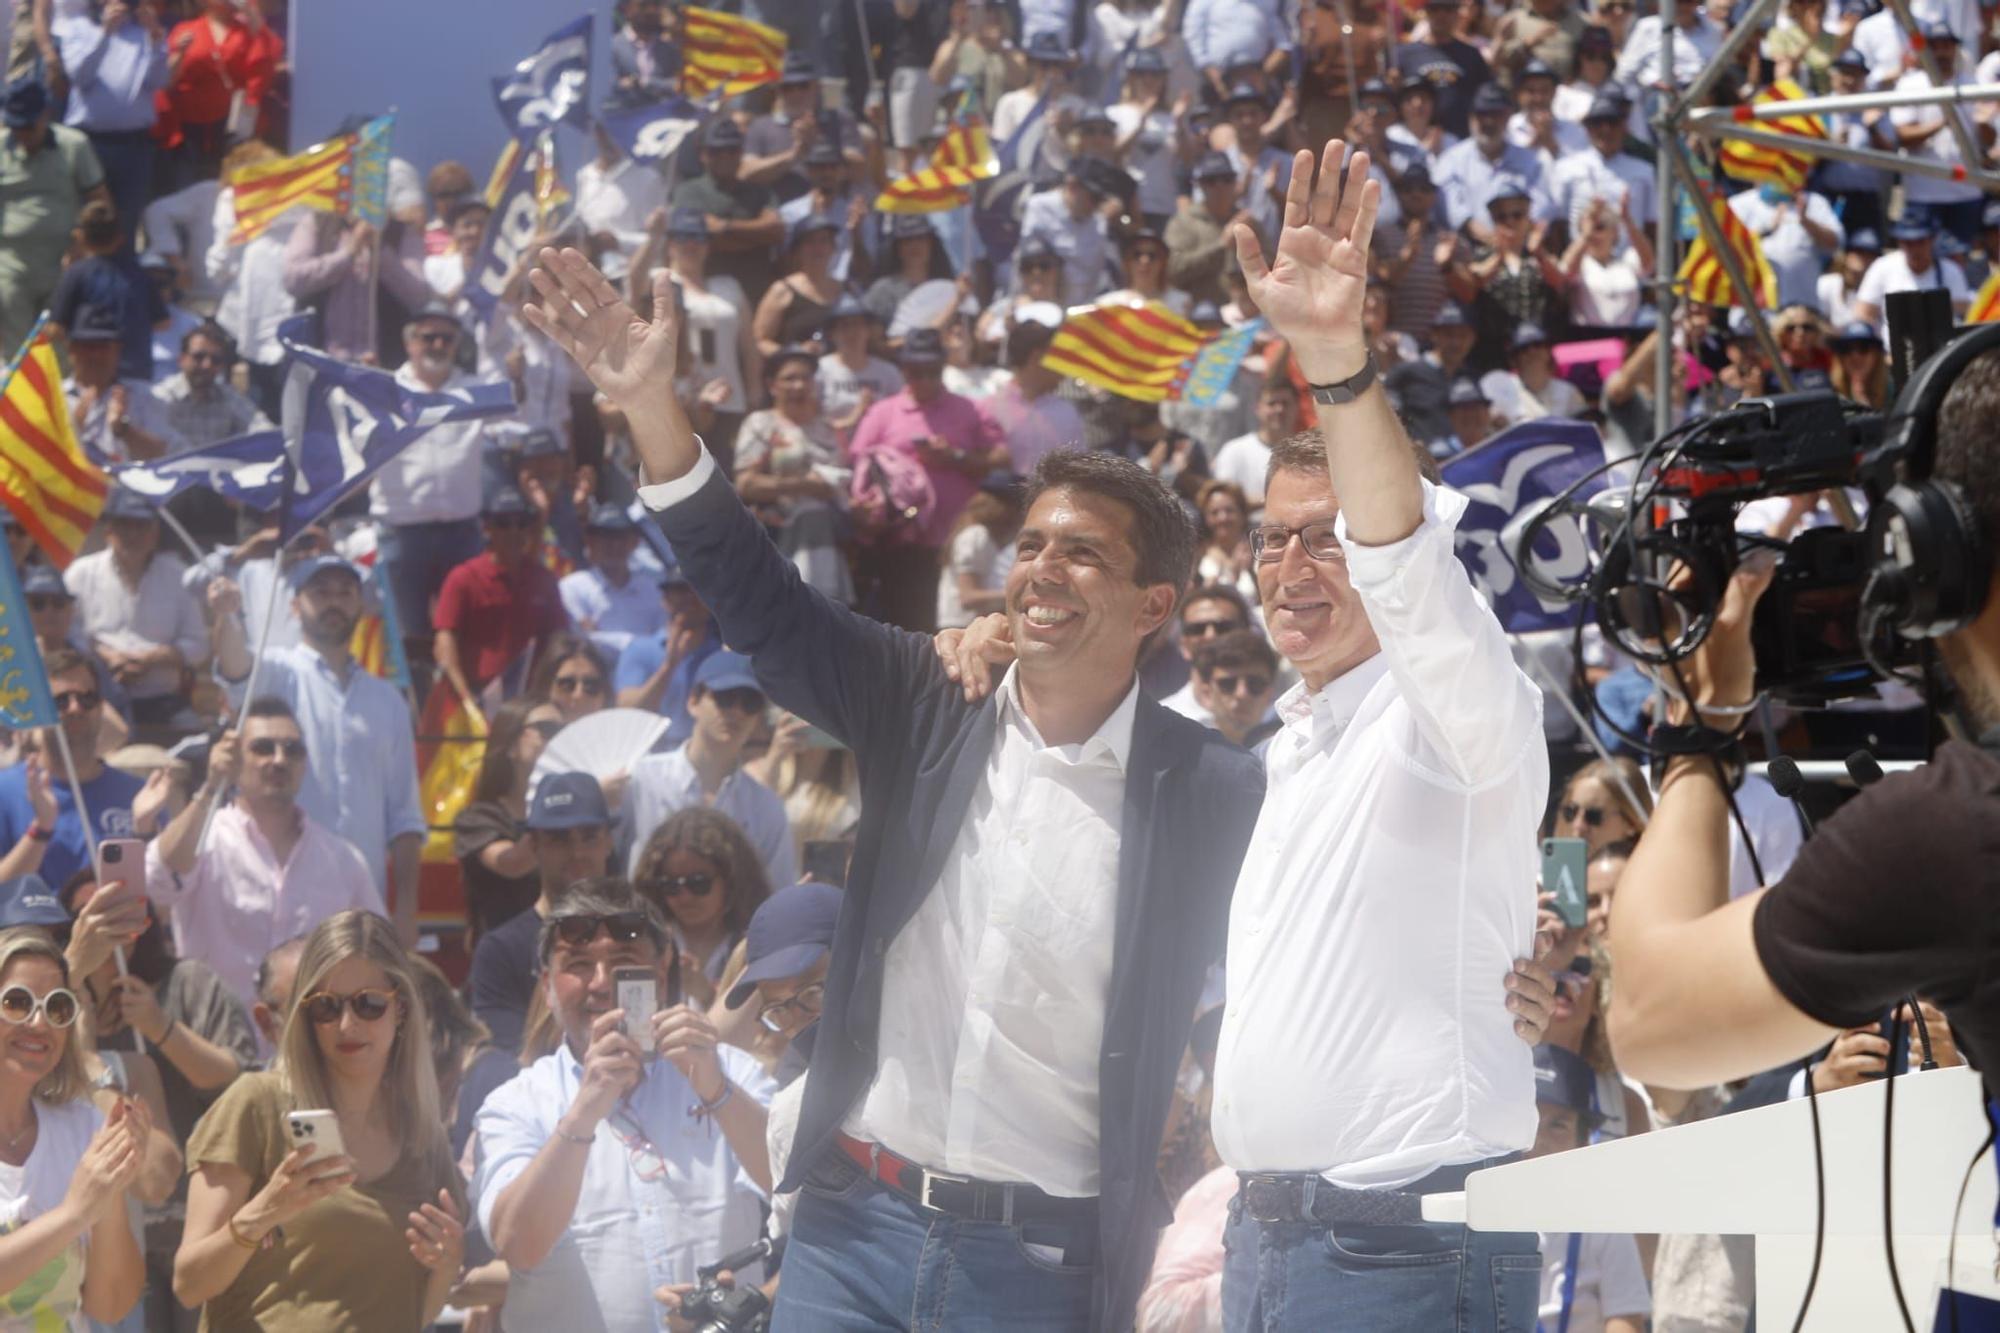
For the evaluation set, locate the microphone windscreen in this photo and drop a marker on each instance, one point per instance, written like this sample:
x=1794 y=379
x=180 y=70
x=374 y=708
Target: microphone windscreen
x=1785 y=776
x=1864 y=768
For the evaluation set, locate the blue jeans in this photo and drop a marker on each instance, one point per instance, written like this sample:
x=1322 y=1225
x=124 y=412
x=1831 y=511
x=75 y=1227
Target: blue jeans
x=863 y=1258
x=1280 y=1277
x=417 y=556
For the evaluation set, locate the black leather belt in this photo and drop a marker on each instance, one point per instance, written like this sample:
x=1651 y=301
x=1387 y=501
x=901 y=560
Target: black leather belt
x=963 y=1197
x=1274 y=1196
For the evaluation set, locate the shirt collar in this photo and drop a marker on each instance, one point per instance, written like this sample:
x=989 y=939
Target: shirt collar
x=1113 y=737
x=1335 y=703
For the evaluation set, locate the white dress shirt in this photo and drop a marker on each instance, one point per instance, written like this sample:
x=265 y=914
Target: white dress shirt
x=617 y=615
x=158 y=611
x=1387 y=890
x=663 y=784
x=437 y=478
x=662 y=1194
x=993 y=995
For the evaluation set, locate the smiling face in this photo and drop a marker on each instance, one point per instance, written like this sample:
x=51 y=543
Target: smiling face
x=30 y=1051
x=1073 y=598
x=1224 y=519
x=1315 y=617
x=351 y=1047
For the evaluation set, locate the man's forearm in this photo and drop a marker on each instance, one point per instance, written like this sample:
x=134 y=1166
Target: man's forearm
x=662 y=436
x=24 y=858
x=743 y=1120
x=1370 y=461
x=180 y=844
x=532 y=1213
x=232 y=648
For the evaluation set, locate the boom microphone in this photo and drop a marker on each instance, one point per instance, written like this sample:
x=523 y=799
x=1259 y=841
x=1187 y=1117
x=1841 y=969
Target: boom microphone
x=1864 y=768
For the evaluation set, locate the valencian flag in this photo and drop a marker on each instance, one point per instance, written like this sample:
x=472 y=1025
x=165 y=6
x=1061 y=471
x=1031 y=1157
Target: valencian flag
x=1986 y=306
x=24 y=685
x=377 y=644
x=963 y=158
x=53 y=490
x=1759 y=164
x=451 y=742
x=348 y=175
x=1214 y=368
x=1703 y=273
x=726 y=55
x=1137 y=351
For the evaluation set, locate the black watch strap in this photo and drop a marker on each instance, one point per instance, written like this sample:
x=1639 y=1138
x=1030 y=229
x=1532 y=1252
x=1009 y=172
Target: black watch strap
x=1349 y=389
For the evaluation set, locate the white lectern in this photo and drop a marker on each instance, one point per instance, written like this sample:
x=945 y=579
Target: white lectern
x=1752 y=1174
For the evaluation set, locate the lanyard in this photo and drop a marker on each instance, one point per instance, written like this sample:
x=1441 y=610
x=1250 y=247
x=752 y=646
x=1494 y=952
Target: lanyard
x=1570 y=1256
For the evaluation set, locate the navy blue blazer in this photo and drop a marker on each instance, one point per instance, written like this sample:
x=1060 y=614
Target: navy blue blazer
x=1191 y=802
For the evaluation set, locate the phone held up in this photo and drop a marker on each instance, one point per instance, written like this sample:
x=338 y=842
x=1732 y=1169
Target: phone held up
x=1564 y=871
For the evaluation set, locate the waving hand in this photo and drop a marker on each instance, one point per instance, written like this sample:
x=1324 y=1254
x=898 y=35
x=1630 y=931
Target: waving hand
x=1312 y=290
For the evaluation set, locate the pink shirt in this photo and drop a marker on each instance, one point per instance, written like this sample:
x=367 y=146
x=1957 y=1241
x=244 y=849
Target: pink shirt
x=1034 y=426
x=896 y=423
x=1184 y=1294
x=238 y=903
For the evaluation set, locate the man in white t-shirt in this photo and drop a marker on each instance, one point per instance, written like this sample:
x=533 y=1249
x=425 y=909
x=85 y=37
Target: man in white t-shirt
x=1245 y=459
x=1595 y=1283
x=1532 y=389
x=1926 y=134
x=1799 y=231
x=1912 y=266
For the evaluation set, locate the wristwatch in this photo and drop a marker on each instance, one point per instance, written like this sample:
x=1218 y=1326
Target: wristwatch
x=1349 y=389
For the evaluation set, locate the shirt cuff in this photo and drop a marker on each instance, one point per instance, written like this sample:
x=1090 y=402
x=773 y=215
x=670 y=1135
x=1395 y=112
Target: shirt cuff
x=667 y=494
x=1379 y=572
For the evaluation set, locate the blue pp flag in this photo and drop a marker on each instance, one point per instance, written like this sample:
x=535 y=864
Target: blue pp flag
x=249 y=469
x=550 y=86
x=1510 y=479
x=655 y=131
x=343 y=423
x=24 y=686
x=514 y=224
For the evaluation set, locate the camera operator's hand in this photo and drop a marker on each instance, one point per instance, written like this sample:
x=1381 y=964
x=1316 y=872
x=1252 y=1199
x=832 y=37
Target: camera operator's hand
x=1722 y=671
x=1856 y=1055
x=671 y=1298
x=1944 y=1050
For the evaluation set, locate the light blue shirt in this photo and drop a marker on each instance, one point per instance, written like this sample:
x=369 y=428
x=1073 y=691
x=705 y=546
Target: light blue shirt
x=665 y=783
x=113 y=75
x=1222 y=33
x=792 y=210
x=1465 y=175
x=1086 y=254
x=617 y=615
x=662 y=1194
x=361 y=775
x=1582 y=177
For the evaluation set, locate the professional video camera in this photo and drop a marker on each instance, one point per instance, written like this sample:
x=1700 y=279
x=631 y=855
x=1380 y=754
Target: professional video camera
x=714 y=1308
x=1666 y=544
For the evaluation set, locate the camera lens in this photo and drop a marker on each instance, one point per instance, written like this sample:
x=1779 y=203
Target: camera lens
x=113 y=855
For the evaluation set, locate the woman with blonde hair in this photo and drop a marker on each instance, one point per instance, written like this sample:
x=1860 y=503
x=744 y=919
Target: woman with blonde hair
x=365 y=1239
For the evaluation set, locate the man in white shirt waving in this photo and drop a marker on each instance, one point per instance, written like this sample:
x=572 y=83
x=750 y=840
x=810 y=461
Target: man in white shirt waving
x=1362 y=1062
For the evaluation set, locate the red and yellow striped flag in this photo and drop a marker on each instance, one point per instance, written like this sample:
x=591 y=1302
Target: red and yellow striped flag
x=316 y=178
x=963 y=158
x=722 y=51
x=1986 y=306
x=1757 y=164
x=1705 y=277
x=54 y=492
x=1135 y=351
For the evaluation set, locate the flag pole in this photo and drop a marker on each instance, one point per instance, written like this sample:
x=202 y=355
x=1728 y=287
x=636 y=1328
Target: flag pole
x=90 y=842
x=194 y=550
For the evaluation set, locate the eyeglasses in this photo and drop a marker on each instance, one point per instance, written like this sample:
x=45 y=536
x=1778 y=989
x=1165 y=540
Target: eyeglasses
x=739 y=701
x=46 y=601
x=579 y=930
x=84 y=701
x=807 y=1002
x=438 y=338
x=264 y=747
x=1150 y=255
x=19 y=1005
x=323 y=1007
x=1252 y=685
x=1797 y=328
x=591 y=685
x=546 y=728
x=1267 y=544
x=1202 y=629
x=647 y=1162
x=698 y=884
x=1593 y=815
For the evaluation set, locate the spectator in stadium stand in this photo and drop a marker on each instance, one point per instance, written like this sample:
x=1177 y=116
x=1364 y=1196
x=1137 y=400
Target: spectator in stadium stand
x=831 y=192
x=447 y=183
x=1799 y=232
x=1466 y=171
x=116 y=59
x=1925 y=134
x=615 y=195
x=1238 y=675
x=603 y=1181
x=1860 y=366
x=645 y=63
x=1596 y=61
x=1416 y=139
x=1471 y=416
x=52 y=612
x=1033 y=419
x=955 y=443
x=1914 y=265
x=1452 y=66
x=337 y=263
x=223 y=59
x=1516 y=279
x=1607 y=284
x=139 y=618
x=728 y=705
x=1037 y=278
x=1245 y=459
x=1544 y=31
x=115 y=415
x=1860 y=193
x=39 y=822
x=1224 y=35
x=102 y=272
x=794 y=309
x=539 y=464
x=275 y=976
x=1598 y=804
x=362 y=769
x=790 y=469
x=1069 y=216
x=267 y=870
x=1530 y=389
x=656 y=671
x=202 y=406
x=912 y=245
x=495 y=860
x=606 y=599
x=568 y=832
x=373 y=1233
x=850 y=376
x=446 y=271
x=251 y=278
x=572 y=674
x=496 y=609
x=1263 y=170
x=1224 y=512
x=743 y=222
x=1418 y=264
x=1209 y=612
x=703 y=874
x=48 y=172
x=1593 y=1282
x=1605 y=171
x=775 y=144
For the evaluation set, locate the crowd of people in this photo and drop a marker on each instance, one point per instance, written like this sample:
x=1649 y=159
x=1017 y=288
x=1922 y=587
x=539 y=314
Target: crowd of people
x=512 y=1148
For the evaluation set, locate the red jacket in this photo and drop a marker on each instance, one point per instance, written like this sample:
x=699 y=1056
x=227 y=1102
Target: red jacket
x=211 y=71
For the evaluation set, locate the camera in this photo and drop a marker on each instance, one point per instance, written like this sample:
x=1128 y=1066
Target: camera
x=713 y=1308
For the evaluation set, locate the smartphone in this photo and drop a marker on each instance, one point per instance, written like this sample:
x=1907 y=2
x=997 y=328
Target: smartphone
x=638 y=994
x=825 y=861
x=818 y=738
x=122 y=863
x=1565 y=863
x=707 y=343
x=1899 y=1036
x=318 y=1130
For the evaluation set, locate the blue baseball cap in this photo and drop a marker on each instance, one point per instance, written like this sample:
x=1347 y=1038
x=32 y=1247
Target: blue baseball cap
x=1864 y=238
x=608 y=517
x=26 y=900
x=1146 y=60
x=1563 y=1079
x=724 y=670
x=809 y=224
x=1243 y=92
x=1607 y=106
x=1851 y=59
x=1214 y=166
x=540 y=442
x=42 y=579
x=124 y=502
x=1856 y=333
x=724 y=136
x=1466 y=393
x=1450 y=315
x=1507 y=186
x=26 y=99
x=1912 y=229
x=504 y=501
x=789 y=932
x=568 y=800
x=1528 y=334
x=1048 y=47
x=687 y=224
x=96 y=324
x=1491 y=100
x=302 y=573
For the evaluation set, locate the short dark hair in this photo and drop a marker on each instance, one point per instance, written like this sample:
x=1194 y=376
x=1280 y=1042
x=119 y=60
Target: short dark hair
x=1305 y=453
x=97 y=221
x=270 y=705
x=1161 y=533
x=1218 y=592
x=216 y=334
x=1966 y=453
x=1026 y=342
x=606 y=895
x=1237 y=648
x=64 y=660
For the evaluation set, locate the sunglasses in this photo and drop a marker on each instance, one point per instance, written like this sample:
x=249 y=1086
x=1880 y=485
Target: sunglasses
x=1241 y=684
x=591 y=685
x=264 y=747
x=579 y=930
x=1572 y=984
x=1268 y=544
x=1593 y=815
x=546 y=728
x=370 y=1006
x=739 y=700
x=1507 y=217
x=1202 y=629
x=698 y=884
x=46 y=601
x=20 y=1005
x=83 y=700
x=1151 y=256
x=807 y=1002
x=442 y=337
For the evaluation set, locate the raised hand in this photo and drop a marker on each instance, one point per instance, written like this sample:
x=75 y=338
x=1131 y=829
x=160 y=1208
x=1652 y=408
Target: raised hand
x=437 y=1235
x=1312 y=291
x=630 y=361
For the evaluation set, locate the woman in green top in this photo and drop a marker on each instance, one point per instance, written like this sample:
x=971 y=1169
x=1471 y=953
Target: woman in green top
x=368 y=1241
